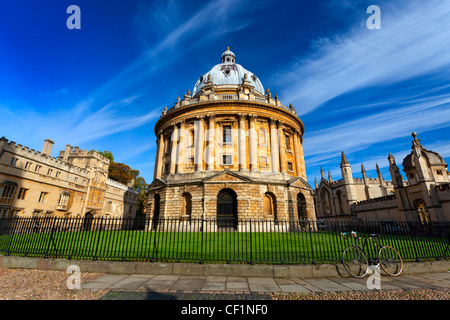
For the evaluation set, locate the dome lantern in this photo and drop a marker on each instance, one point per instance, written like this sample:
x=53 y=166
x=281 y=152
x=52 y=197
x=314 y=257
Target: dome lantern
x=228 y=72
x=228 y=57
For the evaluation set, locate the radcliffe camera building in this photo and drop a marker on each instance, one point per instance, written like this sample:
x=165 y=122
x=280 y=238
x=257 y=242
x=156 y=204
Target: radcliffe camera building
x=230 y=149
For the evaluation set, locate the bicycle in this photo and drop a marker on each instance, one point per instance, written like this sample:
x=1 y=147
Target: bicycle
x=356 y=260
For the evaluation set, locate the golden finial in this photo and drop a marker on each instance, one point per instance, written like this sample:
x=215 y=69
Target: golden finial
x=228 y=48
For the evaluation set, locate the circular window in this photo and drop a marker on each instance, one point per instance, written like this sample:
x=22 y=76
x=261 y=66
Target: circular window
x=227 y=71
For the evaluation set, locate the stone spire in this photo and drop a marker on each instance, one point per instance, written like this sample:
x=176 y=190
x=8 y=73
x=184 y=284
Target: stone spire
x=366 y=182
x=344 y=159
x=397 y=179
x=363 y=171
x=381 y=180
x=380 y=177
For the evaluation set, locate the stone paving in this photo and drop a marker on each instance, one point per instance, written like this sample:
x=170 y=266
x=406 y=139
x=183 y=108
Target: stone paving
x=175 y=287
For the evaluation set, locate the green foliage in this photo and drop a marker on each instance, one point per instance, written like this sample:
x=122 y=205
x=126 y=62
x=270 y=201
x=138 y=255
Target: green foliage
x=108 y=155
x=121 y=172
x=141 y=186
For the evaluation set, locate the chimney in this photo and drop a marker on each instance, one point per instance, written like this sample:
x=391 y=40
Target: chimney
x=47 y=149
x=67 y=152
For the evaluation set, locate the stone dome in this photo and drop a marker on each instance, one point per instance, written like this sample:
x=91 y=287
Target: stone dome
x=433 y=158
x=228 y=72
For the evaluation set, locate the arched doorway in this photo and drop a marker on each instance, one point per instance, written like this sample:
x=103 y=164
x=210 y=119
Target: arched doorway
x=156 y=204
x=87 y=223
x=301 y=207
x=227 y=209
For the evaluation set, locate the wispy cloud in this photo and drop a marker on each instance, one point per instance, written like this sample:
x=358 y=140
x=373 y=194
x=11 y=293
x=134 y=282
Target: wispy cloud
x=352 y=136
x=412 y=41
x=114 y=106
x=402 y=66
x=107 y=118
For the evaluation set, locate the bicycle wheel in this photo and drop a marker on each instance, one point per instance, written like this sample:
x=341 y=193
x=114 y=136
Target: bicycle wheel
x=390 y=261
x=355 y=262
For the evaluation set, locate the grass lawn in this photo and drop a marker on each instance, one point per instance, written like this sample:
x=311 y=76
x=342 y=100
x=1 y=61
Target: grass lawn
x=263 y=247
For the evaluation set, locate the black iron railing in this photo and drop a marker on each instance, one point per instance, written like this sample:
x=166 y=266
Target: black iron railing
x=211 y=240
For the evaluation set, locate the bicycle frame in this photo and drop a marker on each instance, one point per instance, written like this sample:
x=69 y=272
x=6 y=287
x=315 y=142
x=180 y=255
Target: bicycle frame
x=364 y=247
x=393 y=258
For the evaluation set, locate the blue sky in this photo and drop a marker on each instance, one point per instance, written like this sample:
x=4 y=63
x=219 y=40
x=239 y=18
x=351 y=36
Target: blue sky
x=103 y=87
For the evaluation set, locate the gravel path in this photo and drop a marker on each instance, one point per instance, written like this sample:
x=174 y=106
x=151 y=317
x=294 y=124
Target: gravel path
x=415 y=294
x=30 y=284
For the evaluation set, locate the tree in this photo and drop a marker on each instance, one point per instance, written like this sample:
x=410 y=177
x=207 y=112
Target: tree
x=141 y=186
x=108 y=155
x=122 y=173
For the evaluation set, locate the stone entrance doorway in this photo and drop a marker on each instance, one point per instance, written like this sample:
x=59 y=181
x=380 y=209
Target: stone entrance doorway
x=156 y=204
x=227 y=210
x=87 y=223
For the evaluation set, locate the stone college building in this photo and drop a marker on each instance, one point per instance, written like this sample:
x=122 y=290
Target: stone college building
x=74 y=184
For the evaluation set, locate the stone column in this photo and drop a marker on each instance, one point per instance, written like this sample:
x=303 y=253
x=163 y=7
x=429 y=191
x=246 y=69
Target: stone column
x=199 y=142
x=181 y=147
x=302 y=155
x=242 y=143
x=298 y=164
x=282 y=143
x=159 y=157
x=253 y=144
x=274 y=147
x=210 y=148
x=174 y=149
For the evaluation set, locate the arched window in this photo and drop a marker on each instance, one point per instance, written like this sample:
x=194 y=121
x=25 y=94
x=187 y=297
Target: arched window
x=340 y=203
x=186 y=204
x=326 y=203
x=422 y=211
x=269 y=206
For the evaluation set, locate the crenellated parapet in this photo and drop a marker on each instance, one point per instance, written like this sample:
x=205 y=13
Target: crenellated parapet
x=375 y=200
x=120 y=186
x=24 y=154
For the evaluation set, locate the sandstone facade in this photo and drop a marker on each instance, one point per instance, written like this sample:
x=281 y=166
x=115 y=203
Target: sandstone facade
x=424 y=196
x=74 y=184
x=230 y=150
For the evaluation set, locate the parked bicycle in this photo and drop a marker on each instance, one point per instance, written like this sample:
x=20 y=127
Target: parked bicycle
x=356 y=259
